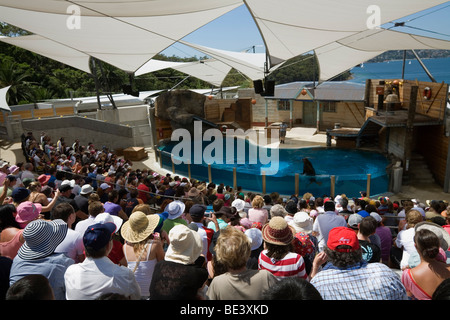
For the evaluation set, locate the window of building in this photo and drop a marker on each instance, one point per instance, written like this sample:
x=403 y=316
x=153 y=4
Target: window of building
x=328 y=106
x=284 y=105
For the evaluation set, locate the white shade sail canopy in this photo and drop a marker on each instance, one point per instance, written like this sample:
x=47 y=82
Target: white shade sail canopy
x=129 y=33
x=3 y=103
x=123 y=33
x=212 y=71
x=250 y=64
x=51 y=49
x=339 y=56
x=294 y=27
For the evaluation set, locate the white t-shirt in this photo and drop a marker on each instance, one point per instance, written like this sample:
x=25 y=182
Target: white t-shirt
x=72 y=245
x=202 y=233
x=93 y=277
x=405 y=240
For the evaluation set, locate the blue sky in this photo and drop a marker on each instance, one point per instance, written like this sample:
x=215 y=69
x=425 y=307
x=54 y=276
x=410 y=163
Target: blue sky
x=236 y=31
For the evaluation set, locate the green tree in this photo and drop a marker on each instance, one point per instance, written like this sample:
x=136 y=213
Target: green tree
x=14 y=75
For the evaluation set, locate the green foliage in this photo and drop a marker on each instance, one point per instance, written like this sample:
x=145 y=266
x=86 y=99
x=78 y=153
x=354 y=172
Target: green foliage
x=301 y=68
x=398 y=55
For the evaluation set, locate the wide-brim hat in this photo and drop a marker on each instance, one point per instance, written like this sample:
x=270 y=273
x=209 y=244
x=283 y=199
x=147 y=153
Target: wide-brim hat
x=41 y=238
x=302 y=222
x=441 y=233
x=139 y=226
x=278 y=232
x=239 y=204
x=193 y=192
x=43 y=179
x=13 y=168
x=255 y=237
x=185 y=245
x=175 y=209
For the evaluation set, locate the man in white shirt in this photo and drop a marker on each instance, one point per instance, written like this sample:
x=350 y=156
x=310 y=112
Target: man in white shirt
x=94 y=208
x=72 y=245
x=197 y=212
x=97 y=275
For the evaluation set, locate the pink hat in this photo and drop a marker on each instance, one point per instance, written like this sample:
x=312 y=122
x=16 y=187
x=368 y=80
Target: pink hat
x=27 y=211
x=43 y=179
x=13 y=168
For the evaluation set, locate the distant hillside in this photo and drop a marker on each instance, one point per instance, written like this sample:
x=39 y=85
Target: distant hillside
x=398 y=55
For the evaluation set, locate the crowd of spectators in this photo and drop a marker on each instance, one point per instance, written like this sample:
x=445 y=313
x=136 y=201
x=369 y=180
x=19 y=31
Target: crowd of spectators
x=80 y=223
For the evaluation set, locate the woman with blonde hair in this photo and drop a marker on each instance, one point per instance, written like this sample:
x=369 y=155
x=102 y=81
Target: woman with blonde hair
x=405 y=238
x=232 y=251
x=36 y=196
x=257 y=213
x=142 y=248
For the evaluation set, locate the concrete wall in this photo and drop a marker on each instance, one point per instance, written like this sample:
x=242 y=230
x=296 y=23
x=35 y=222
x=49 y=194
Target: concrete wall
x=100 y=133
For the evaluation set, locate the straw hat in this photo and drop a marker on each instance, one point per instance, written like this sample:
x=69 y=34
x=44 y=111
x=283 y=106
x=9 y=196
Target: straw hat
x=139 y=226
x=193 y=192
x=185 y=245
x=278 y=232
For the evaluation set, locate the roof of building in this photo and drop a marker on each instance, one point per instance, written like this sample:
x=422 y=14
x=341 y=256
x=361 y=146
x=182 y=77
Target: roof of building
x=332 y=91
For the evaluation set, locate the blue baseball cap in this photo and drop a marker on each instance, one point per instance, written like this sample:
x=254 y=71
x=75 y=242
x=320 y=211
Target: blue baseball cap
x=98 y=235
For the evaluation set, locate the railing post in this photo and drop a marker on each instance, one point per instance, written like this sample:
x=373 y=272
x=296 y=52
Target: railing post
x=333 y=185
x=368 y=184
x=263 y=182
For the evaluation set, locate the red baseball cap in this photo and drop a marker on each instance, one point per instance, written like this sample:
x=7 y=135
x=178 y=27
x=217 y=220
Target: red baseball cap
x=342 y=236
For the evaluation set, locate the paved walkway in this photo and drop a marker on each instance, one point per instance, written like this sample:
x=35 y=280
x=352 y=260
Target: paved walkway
x=297 y=137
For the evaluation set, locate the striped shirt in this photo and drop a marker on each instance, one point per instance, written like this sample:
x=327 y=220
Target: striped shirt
x=290 y=266
x=363 y=281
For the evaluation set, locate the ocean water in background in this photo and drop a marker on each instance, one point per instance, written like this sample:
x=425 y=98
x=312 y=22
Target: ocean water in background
x=438 y=67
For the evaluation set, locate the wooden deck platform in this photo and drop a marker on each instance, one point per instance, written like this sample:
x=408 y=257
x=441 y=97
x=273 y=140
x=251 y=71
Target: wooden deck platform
x=399 y=118
x=374 y=123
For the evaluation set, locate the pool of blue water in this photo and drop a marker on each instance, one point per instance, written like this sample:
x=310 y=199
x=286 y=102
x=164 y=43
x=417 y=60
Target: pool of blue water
x=350 y=168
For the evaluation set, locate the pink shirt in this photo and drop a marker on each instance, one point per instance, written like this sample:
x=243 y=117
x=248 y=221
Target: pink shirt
x=9 y=249
x=258 y=215
x=412 y=287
